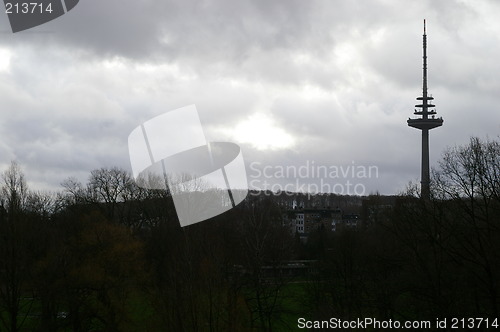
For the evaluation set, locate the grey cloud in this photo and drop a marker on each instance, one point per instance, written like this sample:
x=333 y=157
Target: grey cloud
x=66 y=112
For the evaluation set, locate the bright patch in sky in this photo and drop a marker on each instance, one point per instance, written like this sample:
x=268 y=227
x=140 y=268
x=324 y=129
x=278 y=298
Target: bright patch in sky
x=260 y=131
x=5 y=56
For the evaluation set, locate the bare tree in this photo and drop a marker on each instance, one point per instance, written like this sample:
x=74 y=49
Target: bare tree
x=469 y=180
x=265 y=246
x=14 y=240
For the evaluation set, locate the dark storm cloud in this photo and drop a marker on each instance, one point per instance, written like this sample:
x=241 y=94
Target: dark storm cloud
x=145 y=29
x=251 y=39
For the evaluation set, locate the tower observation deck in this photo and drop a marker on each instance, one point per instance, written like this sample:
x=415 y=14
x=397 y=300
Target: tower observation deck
x=426 y=121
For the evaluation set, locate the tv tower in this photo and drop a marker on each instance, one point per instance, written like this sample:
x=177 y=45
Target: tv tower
x=425 y=123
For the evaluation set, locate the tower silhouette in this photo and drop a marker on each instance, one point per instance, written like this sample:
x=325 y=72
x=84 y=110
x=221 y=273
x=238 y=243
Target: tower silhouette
x=424 y=123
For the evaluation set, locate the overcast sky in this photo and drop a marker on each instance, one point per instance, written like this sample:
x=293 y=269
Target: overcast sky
x=293 y=82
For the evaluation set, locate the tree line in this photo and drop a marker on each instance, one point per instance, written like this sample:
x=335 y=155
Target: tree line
x=109 y=255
